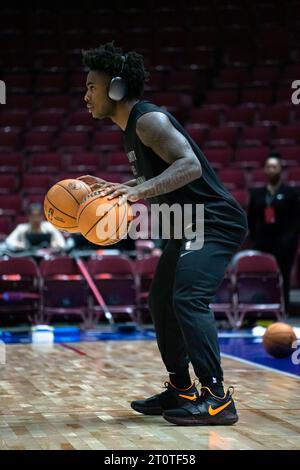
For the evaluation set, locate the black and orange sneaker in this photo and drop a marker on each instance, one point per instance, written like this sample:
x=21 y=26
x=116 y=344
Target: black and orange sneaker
x=208 y=409
x=171 y=398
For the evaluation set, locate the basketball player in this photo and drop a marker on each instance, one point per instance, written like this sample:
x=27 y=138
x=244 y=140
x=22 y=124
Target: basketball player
x=170 y=168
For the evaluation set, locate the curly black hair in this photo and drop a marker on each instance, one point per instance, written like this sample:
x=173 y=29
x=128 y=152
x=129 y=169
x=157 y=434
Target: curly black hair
x=108 y=59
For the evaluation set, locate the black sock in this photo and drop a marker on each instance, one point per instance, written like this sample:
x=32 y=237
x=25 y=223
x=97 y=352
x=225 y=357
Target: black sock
x=181 y=380
x=215 y=386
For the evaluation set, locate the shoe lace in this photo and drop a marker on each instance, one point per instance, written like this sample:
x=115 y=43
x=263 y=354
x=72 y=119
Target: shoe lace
x=206 y=390
x=167 y=384
x=166 y=387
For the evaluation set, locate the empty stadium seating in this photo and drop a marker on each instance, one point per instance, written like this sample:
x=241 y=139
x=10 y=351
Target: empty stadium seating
x=224 y=71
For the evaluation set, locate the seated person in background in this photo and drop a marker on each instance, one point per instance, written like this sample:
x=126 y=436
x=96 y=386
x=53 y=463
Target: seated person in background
x=25 y=235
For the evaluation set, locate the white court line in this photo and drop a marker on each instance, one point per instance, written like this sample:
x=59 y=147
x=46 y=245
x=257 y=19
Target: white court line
x=254 y=364
x=236 y=335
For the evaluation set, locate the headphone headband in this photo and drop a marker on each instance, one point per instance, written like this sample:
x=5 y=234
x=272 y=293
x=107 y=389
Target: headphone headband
x=123 y=57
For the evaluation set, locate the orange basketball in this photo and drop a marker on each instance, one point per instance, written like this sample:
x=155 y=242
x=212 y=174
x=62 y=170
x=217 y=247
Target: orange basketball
x=278 y=340
x=62 y=202
x=103 y=221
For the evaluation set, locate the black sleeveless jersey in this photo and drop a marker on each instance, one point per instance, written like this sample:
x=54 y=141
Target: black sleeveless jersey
x=221 y=210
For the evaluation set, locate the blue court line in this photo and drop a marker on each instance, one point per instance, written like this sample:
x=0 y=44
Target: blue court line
x=260 y=366
x=75 y=335
x=250 y=349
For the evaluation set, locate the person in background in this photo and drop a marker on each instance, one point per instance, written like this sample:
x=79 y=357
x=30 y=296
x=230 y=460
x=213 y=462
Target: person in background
x=17 y=240
x=273 y=219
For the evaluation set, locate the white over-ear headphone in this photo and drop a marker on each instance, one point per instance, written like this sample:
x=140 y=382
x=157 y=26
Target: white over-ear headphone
x=118 y=88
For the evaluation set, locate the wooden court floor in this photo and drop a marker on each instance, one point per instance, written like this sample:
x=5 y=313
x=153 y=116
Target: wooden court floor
x=77 y=396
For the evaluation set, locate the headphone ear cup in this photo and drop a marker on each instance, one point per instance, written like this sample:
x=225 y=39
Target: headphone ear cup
x=117 y=89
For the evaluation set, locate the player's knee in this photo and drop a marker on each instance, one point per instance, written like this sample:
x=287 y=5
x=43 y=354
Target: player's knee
x=180 y=300
x=158 y=297
x=185 y=301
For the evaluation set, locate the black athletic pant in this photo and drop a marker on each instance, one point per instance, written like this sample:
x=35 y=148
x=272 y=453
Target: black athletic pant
x=184 y=284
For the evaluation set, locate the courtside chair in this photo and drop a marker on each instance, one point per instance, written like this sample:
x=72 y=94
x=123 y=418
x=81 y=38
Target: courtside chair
x=115 y=279
x=145 y=269
x=65 y=291
x=222 y=303
x=20 y=288
x=258 y=286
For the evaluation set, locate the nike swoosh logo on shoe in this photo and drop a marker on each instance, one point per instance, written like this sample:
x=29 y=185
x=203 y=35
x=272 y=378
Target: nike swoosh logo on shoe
x=214 y=411
x=189 y=397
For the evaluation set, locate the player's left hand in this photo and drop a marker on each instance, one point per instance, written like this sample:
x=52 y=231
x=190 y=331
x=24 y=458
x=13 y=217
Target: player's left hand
x=117 y=189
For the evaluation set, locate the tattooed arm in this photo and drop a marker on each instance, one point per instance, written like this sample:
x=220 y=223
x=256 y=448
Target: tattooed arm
x=156 y=131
